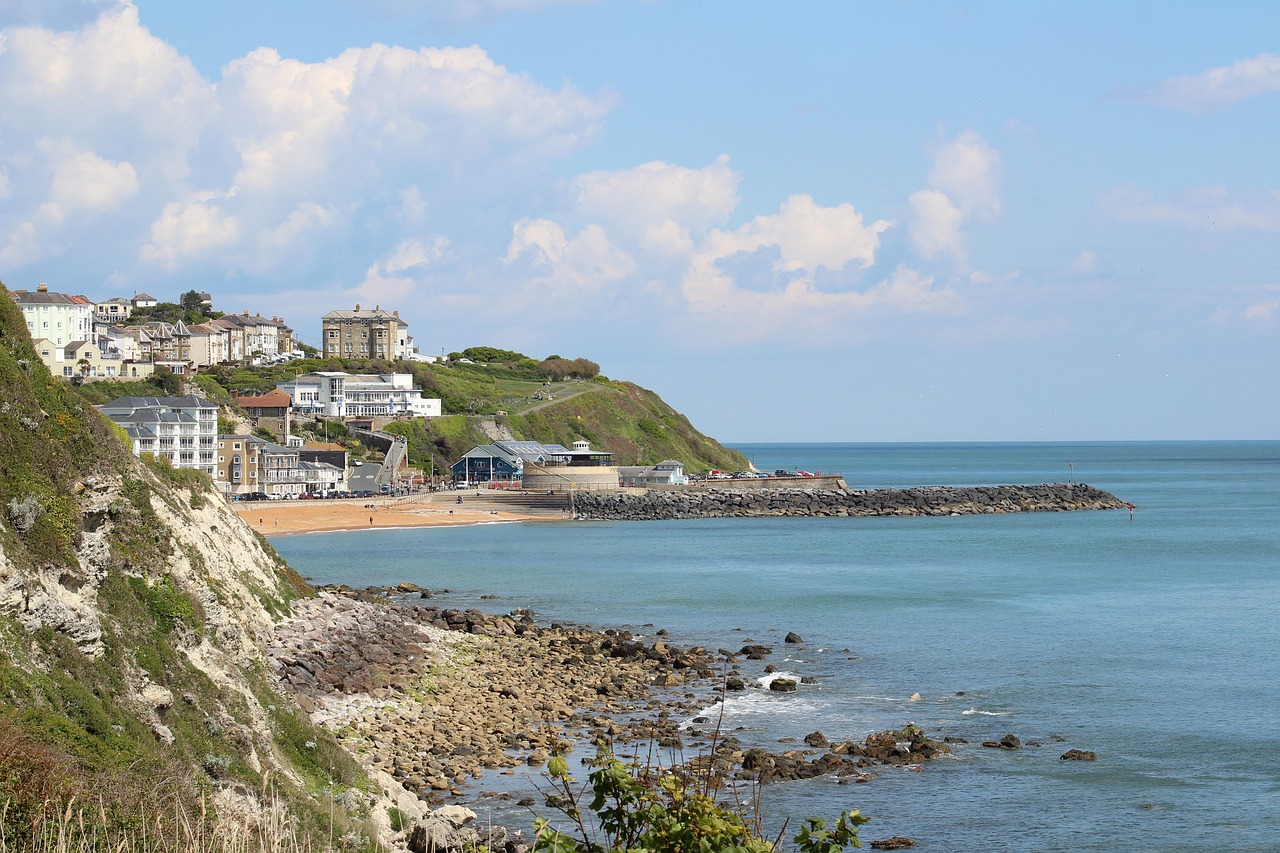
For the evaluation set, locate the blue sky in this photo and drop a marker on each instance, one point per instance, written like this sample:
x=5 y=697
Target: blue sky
x=822 y=221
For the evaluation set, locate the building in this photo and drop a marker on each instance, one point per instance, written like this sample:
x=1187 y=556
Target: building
x=537 y=466
x=333 y=394
x=365 y=334
x=270 y=411
x=144 y=300
x=668 y=472
x=249 y=465
x=57 y=317
x=182 y=429
x=210 y=344
x=80 y=359
x=500 y=462
x=238 y=464
x=170 y=344
x=580 y=468
x=113 y=312
x=252 y=335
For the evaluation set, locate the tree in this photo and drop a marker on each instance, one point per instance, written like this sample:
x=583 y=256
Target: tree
x=191 y=301
x=169 y=383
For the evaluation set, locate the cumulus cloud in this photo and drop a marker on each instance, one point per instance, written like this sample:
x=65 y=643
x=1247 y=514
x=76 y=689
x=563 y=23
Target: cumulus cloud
x=187 y=230
x=1203 y=208
x=800 y=240
x=964 y=186
x=1262 y=310
x=1219 y=87
x=657 y=205
x=83 y=181
x=1085 y=262
x=563 y=265
x=935 y=225
x=379 y=139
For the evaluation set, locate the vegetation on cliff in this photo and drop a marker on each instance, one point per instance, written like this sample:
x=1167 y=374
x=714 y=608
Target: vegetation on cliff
x=133 y=699
x=556 y=400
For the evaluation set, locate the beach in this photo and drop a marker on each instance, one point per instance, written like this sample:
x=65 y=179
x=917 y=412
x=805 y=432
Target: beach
x=277 y=518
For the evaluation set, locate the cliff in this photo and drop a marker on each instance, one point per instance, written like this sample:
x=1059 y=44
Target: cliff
x=135 y=608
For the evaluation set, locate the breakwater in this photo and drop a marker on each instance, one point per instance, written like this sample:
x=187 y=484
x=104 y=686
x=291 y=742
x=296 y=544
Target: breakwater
x=841 y=502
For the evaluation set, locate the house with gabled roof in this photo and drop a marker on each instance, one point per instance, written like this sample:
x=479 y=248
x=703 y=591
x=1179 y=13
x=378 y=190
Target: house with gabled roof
x=269 y=411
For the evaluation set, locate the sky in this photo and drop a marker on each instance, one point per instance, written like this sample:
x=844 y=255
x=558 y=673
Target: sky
x=888 y=220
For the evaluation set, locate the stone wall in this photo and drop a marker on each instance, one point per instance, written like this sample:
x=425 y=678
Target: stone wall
x=540 y=478
x=928 y=500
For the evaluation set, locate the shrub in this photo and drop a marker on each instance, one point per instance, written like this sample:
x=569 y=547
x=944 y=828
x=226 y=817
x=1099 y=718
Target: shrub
x=642 y=807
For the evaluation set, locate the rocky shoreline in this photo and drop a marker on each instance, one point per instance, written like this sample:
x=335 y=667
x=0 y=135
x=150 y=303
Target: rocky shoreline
x=432 y=699
x=841 y=502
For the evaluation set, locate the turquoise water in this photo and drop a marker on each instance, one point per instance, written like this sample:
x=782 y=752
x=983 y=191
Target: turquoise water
x=1153 y=642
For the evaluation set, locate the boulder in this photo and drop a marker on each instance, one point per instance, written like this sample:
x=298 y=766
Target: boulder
x=1079 y=755
x=783 y=685
x=792 y=637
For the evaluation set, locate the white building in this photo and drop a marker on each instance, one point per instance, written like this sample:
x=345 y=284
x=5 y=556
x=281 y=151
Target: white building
x=334 y=394
x=183 y=429
x=56 y=317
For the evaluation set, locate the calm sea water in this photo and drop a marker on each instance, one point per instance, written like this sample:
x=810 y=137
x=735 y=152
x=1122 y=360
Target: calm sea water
x=1153 y=641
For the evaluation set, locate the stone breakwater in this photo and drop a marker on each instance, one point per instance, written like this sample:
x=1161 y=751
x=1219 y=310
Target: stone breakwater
x=841 y=502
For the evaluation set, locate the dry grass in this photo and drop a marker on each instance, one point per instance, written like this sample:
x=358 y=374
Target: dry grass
x=49 y=803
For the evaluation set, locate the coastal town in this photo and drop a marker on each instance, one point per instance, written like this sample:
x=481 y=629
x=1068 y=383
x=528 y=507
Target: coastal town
x=263 y=447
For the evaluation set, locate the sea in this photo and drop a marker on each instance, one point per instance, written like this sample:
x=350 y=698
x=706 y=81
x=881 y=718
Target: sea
x=1151 y=636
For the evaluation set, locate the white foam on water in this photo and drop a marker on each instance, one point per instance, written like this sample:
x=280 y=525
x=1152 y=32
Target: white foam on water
x=980 y=713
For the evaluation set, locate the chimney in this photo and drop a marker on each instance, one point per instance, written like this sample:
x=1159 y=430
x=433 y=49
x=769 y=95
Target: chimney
x=42 y=288
x=357 y=306
x=396 y=313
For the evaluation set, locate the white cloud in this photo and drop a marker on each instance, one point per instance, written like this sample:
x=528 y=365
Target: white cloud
x=964 y=186
x=588 y=262
x=1085 y=262
x=377 y=140
x=1262 y=310
x=1203 y=208
x=86 y=182
x=801 y=239
x=935 y=225
x=658 y=204
x=1219 y=87
x=968 y=170
x=187 y=230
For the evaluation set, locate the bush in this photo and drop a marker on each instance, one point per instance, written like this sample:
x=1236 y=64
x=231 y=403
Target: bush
x=641 y=807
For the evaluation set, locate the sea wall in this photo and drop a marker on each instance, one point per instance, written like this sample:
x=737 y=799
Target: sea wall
x=927 y=500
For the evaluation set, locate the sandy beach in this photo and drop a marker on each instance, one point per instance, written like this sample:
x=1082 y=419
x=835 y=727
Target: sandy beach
x=273 y=518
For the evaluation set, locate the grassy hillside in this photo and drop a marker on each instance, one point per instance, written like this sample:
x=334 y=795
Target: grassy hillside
x=114 y=581
x=631 y=422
